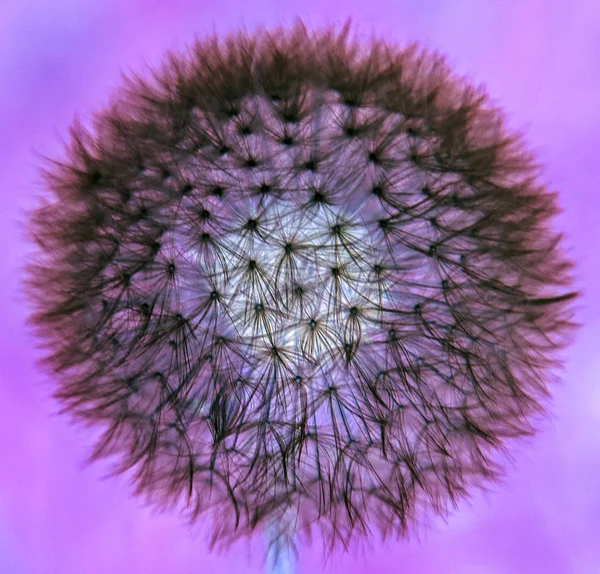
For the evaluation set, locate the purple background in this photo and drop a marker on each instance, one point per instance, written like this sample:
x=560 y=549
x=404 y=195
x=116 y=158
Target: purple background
x=540 y=60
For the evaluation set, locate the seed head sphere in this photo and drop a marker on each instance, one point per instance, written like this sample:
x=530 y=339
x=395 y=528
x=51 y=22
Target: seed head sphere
x=301 y=279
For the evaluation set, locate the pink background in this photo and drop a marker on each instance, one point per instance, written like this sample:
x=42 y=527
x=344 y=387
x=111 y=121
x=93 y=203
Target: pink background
x=540 y=60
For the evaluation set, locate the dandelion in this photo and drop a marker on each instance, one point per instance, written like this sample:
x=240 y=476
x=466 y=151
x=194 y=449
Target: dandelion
x=300 y=282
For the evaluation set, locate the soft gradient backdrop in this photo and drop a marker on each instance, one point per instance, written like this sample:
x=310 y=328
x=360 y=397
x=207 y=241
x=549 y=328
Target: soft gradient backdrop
x=540 y=60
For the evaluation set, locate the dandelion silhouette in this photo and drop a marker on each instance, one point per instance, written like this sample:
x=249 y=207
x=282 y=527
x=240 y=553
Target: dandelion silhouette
x=301 y=282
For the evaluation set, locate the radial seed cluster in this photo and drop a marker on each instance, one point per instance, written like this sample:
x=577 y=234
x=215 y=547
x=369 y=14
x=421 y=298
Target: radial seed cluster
x=298 y=276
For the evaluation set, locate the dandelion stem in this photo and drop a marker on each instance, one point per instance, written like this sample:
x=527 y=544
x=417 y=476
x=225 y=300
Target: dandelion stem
x=280 y=553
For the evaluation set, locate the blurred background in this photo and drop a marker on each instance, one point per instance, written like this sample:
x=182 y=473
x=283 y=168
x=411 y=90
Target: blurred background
x=539 y=60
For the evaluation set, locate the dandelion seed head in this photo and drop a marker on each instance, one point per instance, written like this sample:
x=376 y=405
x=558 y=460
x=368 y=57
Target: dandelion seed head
x=298 y=277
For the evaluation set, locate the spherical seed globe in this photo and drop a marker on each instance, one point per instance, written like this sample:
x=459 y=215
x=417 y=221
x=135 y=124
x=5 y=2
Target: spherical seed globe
x=303 y=280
